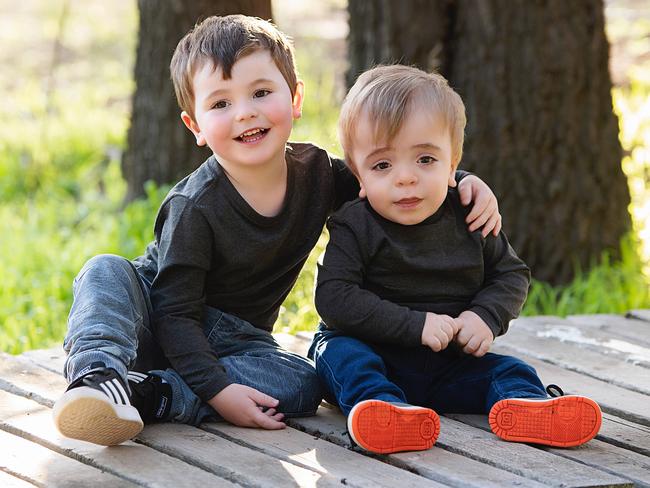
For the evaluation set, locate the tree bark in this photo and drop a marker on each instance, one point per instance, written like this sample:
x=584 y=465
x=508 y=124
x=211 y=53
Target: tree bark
x=541 y=131
x=159 y=147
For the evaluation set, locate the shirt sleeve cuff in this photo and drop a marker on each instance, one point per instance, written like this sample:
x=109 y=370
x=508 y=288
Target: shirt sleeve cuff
x=208 y=390
x=489 y=319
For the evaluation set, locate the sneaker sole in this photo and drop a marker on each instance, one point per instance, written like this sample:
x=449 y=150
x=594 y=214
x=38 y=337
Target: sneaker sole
x=384 y=428
x=565 y=421
x=86 y=414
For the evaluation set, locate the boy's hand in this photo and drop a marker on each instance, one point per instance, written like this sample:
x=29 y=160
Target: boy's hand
x=242 y=405
x=473 y=335
x=485 y=209
x=438 y=331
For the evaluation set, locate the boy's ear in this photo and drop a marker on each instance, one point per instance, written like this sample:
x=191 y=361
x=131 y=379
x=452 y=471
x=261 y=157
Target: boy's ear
x=362 y=191
x=452 y=176
x=298 y=98
x=193 y=127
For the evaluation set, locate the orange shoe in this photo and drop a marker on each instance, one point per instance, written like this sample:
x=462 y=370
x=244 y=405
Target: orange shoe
x=565 y=421
x=384 y=427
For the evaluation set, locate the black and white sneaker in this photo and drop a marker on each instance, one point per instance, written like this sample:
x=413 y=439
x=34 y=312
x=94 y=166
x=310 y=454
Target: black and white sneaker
x=151 y=396
x=97 y=408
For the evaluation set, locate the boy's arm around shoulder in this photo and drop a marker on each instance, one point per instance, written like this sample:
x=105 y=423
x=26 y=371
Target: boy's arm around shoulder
x=345 y=305
x=505 y=285
x=185 y=243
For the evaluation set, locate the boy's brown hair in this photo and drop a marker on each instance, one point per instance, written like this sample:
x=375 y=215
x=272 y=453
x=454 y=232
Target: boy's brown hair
x=388 y=94
x=223 y=41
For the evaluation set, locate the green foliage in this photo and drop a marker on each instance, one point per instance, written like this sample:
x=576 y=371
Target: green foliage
x=607 y=287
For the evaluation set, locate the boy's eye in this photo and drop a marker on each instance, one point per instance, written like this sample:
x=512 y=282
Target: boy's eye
x=426 y=160
x=220 y=104
x=381 y=165
x=261 y=93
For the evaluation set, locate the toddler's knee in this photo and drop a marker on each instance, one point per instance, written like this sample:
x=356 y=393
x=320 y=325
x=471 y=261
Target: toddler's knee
x=104 y=266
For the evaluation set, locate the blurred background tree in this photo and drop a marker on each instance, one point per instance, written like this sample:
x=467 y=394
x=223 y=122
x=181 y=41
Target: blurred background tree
x=541 y=128
x=159 y=147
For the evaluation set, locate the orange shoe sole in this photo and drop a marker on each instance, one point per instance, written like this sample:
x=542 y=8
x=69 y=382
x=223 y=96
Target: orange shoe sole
x=383 y=427
x=565 y=421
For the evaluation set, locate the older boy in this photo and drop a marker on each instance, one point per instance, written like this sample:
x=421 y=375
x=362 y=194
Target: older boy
x=231 y=238
x=411 y=301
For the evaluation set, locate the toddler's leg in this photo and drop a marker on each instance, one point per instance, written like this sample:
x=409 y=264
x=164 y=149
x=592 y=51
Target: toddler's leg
x=251 y=357
x=378 y=417
x=109 y=317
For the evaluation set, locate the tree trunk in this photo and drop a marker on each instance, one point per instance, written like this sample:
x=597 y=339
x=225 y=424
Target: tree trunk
x=541 y=130
x=159 y=147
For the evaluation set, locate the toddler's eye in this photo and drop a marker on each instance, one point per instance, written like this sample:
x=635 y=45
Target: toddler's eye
x=220 y=104
x=261 y=93
x=427 y=160
x=381 y=165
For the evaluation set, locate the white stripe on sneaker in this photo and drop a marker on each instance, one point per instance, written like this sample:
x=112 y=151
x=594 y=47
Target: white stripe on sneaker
x=116 y=394
x=123 y=394
x=136 y=377
x=109 y=393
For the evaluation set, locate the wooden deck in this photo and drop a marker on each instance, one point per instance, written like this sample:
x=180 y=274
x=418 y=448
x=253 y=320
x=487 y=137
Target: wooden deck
x=606 y=357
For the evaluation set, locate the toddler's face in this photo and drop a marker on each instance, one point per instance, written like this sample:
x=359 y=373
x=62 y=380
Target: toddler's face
x=246 y=120
x=406 y=179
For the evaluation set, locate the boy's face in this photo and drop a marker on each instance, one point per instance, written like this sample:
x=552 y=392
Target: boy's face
x=405 y=180
x=245 y=120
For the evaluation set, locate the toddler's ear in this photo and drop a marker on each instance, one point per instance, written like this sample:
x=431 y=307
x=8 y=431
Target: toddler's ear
x=362 y=192
x=452 y=177
x=193 y=127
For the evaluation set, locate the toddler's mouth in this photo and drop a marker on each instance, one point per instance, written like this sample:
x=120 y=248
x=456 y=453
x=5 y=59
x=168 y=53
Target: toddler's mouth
x=252 y=135
x=408 y=202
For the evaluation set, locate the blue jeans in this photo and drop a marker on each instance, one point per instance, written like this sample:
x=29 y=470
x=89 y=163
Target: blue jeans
x=110 y=322
x=448 y=381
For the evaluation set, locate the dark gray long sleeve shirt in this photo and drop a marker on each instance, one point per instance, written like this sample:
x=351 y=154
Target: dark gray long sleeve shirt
x=378 y=278
x=213 y=249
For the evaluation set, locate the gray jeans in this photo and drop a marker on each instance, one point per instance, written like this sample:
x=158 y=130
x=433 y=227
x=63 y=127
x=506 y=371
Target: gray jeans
x=110 y=322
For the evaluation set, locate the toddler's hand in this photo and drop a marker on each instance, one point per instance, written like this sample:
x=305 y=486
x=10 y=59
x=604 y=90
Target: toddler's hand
x=485 y=208
x=438 y=331
x=473 y=335
x=243 y=406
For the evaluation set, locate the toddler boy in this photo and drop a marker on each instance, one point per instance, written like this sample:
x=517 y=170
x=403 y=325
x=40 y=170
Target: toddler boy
x=197 y=309
x=411 y=301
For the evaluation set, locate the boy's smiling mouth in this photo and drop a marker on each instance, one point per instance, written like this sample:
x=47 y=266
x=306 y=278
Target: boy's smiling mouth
x=252 y=135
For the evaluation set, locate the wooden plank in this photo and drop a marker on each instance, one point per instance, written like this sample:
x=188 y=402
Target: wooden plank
x=598 y=454
x=21 y=377
x=8 y=481
x=613 y=399
x=520 y=459
x=362 y=470
x=135 y=462
x=51 y=359
x=349 y=467
x=562 y=345
x=629 y=328
x=230 y=460
x=436 y=464
x=43 y=467
x=583 y=339
x=626 y=434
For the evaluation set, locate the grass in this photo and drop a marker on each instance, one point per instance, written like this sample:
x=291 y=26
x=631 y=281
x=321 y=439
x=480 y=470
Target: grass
x=62 y=132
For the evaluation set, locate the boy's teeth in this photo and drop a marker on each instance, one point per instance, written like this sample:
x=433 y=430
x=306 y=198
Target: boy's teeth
x=251 y=132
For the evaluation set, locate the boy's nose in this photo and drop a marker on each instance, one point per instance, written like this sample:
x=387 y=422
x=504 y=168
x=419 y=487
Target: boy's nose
x=246 y=111
x=406 y=177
